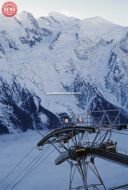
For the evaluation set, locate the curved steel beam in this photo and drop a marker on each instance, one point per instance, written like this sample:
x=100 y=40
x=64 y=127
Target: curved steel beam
x=71 y=131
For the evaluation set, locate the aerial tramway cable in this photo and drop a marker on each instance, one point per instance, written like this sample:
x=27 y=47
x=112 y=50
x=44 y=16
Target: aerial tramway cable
x=20 y=162
x=16 y=166
x=15 y=177
x=62 y=136
x=27 y=167
x=30 y=169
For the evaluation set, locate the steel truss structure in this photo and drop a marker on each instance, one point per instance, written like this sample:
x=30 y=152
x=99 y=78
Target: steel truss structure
x=80 y=142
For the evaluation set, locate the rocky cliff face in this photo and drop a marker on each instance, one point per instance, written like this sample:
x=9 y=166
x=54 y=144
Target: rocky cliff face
x=117 y=77
x=57 y=54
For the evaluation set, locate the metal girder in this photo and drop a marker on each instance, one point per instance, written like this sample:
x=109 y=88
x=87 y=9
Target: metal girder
x=64 y=134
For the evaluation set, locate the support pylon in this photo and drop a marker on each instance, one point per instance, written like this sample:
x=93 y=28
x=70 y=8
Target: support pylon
x=82 y=167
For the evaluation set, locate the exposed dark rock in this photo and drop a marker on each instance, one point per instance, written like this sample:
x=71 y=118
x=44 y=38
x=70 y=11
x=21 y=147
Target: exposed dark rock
x=3 y=129
x=53 y=120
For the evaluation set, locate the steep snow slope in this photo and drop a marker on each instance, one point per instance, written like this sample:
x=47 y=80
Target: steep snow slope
x=117 y=78
x=97 y=28
x=58 y=22
x=56 y=54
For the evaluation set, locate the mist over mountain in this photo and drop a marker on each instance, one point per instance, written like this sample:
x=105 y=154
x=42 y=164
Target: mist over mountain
x=59 y=54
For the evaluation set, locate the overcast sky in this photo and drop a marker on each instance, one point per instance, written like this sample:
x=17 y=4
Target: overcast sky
x=112 y=10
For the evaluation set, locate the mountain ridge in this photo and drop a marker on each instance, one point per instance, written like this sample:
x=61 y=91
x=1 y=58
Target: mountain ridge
x=60 y=54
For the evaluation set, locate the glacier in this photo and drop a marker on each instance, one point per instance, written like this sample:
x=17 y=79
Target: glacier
x=54 y=54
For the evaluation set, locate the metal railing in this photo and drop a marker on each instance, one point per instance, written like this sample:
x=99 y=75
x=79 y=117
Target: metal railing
x=103 y=118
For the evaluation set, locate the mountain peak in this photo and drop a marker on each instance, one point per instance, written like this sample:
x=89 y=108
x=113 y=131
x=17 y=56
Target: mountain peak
x=57 y=14
x=96 y=20
x=24 y=14
x=61 y=16
x=99 y=20
x=27 y=19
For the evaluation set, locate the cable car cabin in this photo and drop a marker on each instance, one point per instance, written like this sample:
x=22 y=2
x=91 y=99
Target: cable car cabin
x=81 y=152
x=65 y=119
x=108 y=146
x=77 y=152
x=73 y=155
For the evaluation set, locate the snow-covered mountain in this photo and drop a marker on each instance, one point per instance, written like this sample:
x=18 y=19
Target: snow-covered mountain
x=59 y=54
